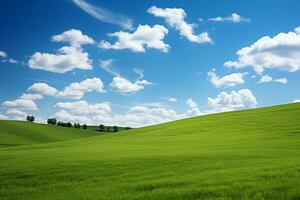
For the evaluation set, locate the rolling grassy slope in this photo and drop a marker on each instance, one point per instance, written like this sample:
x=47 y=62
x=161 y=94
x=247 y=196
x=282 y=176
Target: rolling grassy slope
x=252 y=154
x=14 y=133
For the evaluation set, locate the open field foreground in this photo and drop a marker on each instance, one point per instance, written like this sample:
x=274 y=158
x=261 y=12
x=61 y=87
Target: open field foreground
x=251 y=154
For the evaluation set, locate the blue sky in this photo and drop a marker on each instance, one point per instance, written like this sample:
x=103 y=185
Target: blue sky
x=138 y=63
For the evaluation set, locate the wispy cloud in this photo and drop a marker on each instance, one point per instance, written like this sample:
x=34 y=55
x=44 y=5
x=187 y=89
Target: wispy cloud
x=107 y=65
x=104 y=15
x=234 y=17
x=139 y=72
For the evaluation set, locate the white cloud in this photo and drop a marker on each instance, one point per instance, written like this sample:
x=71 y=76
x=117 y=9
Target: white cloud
x=124 y=86
x=3 y=54
x=192 y=111
x=296 y=101
x=42 y=89
x=83 y=112
x=73 y=37
x=172 y=99
x=104 y=15
x=191 y=104
x=16 y=112
x=138 y=116
x=281 y=80
x=20 y=104
x=83 y=108
x=31 y=96
x=3 y=117
x=144 y=36
x=280 y=52
x=265 y=79
x=175 y=18
x=77 y=90
x=12 y=61
x=231 y=101
x=68 y=57
x=107 y=65
x=234 y=17
x=9 y=60
x=229 y=80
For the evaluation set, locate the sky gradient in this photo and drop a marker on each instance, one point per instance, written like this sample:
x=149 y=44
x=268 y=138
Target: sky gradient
x=139 y=63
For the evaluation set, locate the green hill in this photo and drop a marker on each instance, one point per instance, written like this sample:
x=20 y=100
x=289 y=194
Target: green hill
x=251 y=154
x=13 y=133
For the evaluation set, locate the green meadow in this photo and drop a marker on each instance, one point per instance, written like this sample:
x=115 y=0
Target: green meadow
x=250 y=154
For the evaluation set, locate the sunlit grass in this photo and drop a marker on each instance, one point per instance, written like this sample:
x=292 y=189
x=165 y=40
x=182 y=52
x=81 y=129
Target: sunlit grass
x=253 y=154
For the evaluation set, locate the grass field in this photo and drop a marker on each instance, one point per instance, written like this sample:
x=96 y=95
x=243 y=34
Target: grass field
x=252 y=154
x=14 y=133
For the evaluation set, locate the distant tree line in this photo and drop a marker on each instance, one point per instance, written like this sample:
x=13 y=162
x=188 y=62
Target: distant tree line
x=104 y=128
x=53 y=121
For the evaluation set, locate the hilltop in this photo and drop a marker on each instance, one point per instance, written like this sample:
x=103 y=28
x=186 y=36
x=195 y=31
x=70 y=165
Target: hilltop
x=249 y=154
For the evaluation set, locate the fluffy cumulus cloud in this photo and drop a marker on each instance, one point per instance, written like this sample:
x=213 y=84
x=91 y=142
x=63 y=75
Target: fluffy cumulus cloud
x=280 y=52
x=42 y=89
x=16 y=113
x=3 y=54
x=31 y=96
x=193 y=109
x=143 y=37
x=83 y=112
x=17 y=107
x=77 y=90
x=191 y=104
x=20 y=104
x=73 y=37
x=145 y=115
x=175 y=18
x=234 y=17
x=231 y=101
x=149 y=114
x=68 y=57
x=230 y=80
x=124 y=86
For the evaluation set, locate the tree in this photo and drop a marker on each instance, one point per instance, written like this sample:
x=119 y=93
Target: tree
x=101 y=127
x=59 y=123
x=52 y=121
x=76 y=125
x=84 y=126
x=115 y=128
x=69 y=124
x=30 y=118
